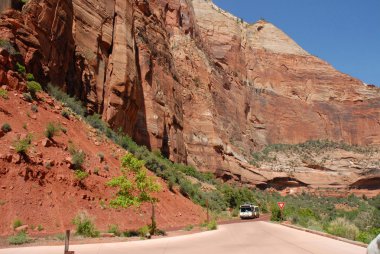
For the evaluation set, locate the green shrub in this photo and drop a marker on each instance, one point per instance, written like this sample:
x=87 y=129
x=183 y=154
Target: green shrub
x=34 y=108
x=101 y=156
x=22 y=145
x=343 y=228
x=114 y=229
x=17 y=223
x=19 y=239
x=33 y=88
x=65 y=113
x=84 y=225
x=3 y=93
x=40 y=227
x=78 y=157
x=29 y=77
x=144 y=231
x=80 y=175
x=27 y=97
x=212 y=225
x=20 y=68
x=51 y=130
x=6 y=127
x=276 y=214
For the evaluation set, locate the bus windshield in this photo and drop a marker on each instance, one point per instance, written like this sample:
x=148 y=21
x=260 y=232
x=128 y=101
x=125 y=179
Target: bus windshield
x=245 y=209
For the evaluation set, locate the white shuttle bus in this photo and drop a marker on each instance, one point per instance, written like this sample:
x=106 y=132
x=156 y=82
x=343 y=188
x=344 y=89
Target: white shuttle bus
x=249 y=211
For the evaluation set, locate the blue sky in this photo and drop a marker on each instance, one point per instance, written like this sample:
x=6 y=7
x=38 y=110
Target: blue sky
x=345 y=33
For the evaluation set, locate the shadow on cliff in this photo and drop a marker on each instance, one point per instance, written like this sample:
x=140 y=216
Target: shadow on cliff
x=140 y=132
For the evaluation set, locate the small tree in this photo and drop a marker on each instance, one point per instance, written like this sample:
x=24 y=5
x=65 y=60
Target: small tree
x=137 y=191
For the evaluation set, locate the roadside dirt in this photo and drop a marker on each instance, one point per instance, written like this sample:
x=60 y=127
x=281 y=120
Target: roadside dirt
x=179 y=231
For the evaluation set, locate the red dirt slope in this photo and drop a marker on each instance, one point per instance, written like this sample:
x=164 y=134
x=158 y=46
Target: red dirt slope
x=51 y=197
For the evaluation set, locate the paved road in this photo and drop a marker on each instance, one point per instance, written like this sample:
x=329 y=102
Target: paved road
x=241 y=238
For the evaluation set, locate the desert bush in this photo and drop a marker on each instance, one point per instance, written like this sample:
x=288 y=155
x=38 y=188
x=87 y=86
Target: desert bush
x=212 y=225
x=143 y=231
x=6 y=127
x=80 y=175
x=364 y=220
x=22 y=145
x=17 y=223
x=33 y=88
x=101 y=156
x=27 y=97
x=19 y=239
x=343 y=228
x=65 y=113
x=114 y=229
x=51 y=130
x=34 y=108
x=368 y=235
x=29 y=77
x=40 y=227
x=3 y=93
x=20 y=68
x=84 y=225
x=276 y=214
x=78 y=157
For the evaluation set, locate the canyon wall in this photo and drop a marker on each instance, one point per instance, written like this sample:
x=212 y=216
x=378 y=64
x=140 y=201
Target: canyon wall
x=193 y=81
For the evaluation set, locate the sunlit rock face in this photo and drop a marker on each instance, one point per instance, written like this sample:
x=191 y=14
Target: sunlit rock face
x=197 y=83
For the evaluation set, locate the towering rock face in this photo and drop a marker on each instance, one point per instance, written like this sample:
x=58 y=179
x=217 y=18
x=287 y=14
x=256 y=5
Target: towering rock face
x=197 y=83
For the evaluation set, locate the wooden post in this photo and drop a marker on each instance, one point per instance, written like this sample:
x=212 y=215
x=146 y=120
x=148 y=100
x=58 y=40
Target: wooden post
x=208 y=216
x=67 y=243
x=153 y=225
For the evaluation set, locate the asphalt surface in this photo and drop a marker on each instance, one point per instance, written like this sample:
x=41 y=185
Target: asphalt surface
x=251 y=237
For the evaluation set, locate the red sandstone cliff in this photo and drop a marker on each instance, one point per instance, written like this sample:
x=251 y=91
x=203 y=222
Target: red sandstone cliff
x=193 y=81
